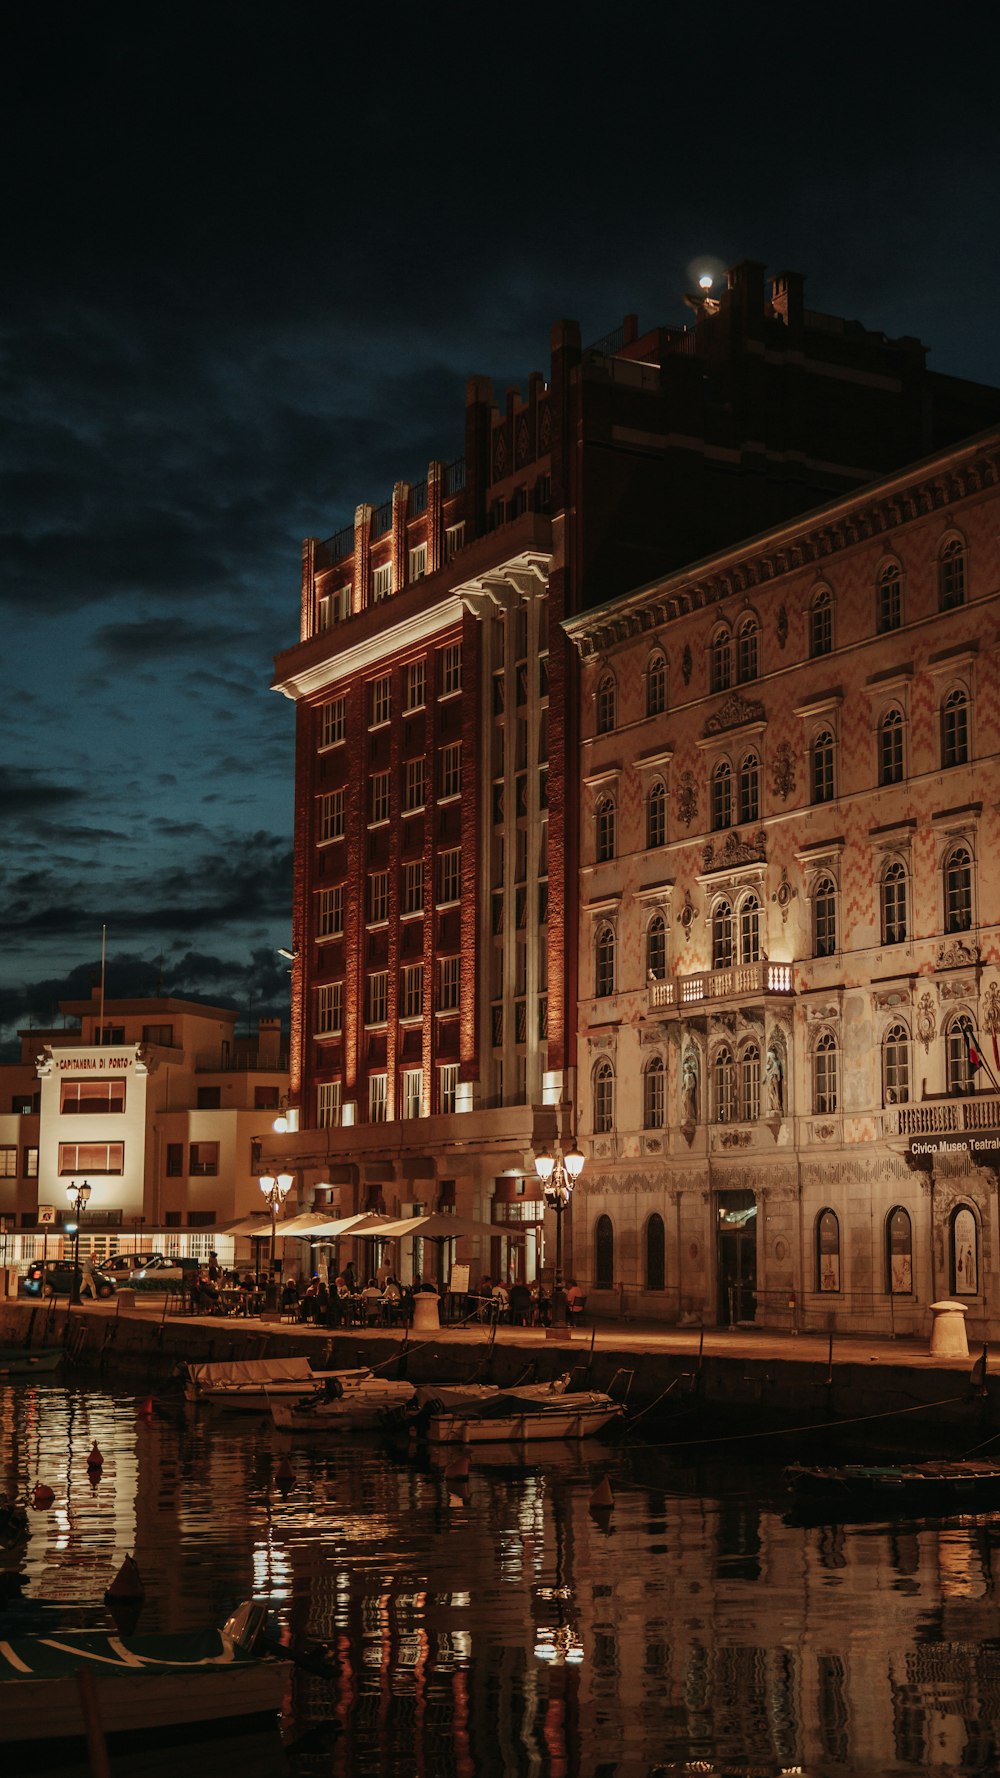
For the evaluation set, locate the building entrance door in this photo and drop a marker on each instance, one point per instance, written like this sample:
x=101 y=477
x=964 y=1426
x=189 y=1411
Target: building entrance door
x=737 y=1257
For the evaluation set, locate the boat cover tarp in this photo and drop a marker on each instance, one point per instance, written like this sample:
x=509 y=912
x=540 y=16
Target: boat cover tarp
x=236 y=1373
x=53 y=1657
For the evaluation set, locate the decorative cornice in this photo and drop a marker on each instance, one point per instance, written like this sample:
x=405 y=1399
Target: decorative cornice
x=735 y=713
x=858 y=517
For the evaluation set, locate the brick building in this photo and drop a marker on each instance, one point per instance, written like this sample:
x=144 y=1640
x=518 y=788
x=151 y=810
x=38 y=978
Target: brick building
x=438 y=715
x=789 y=920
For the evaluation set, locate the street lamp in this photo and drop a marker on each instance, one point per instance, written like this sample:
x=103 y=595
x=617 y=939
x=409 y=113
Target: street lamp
x=275 y=1192
x=558 y=1174
x=79 y=1197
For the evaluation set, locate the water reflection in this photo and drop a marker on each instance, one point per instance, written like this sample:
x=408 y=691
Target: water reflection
x=503 y=1626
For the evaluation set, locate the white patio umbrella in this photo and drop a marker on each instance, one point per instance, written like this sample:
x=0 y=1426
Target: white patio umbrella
x=437 y=1225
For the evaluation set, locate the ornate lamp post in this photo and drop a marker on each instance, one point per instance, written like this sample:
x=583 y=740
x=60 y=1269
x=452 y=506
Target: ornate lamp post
x=275 y=1192
x=558 y=1174
x=79 y=1197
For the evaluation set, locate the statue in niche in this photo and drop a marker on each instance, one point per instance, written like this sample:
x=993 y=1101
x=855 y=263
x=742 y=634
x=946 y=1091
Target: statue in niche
x=689 y=1090
x=775 y=1085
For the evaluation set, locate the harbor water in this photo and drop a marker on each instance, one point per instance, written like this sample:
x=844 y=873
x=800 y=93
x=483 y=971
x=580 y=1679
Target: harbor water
x=507 y=1626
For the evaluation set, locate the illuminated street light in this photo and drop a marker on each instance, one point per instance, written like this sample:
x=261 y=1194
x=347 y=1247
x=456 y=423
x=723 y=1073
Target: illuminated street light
x=79 y=1197
x=558 y=1175
x=275 y=1192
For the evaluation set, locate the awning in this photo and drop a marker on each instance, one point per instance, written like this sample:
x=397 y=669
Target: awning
x=439 y=1226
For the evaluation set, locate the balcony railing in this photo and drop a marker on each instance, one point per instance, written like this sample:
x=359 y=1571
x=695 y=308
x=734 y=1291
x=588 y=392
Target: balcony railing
x=740 y=982
x=454 y=477
x=945 y=1117
x=250 y=1061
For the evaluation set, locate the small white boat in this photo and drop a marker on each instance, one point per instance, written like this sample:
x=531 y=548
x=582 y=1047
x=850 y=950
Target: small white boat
x=140 y=1683
x=249 y=1385
x=528 y=1415
x=359 y=1407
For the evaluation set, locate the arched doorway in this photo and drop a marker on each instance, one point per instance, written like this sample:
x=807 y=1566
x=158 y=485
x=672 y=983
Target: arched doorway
x=736 y=1250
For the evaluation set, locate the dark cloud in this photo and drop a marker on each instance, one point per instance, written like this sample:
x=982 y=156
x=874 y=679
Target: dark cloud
x=26 y=793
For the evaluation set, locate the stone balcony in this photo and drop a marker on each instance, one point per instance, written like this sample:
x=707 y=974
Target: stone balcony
x=741 y=981
x=944 y=1117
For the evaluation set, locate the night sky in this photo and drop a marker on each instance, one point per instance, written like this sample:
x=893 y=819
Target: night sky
x=252 y=254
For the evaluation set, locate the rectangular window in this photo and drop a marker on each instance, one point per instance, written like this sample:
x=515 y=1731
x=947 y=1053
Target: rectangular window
x=328 y=1105
x=334 y=607
x=414 y=786
x=333 y=722
x=31 y=1163
x=381 y=582
x=91 y=1097
x=380 y=796
x=449 y=969
x=175 y=1160
x=451 y=770
x=8 y=1161
x=450 y=875
x=329 y=1007
x=447 y=1088
x=412 y=996
x=331 y=816
x=454 y=540
x=378 y=897
x=90 y=1157
x=377 y=998
x=451 y=669
x=330 y=912
x=267 y=1098
x=418 y=561
x=381 y=700
x=159 y=1034
x=203 y=1160
x=416 y=685
x=209 y=1098
x=377 y=1098
x=413 y=1091
x=413 y=888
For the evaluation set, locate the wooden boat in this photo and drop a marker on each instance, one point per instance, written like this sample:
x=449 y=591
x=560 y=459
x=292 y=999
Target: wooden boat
x=250 y=1385
x=934 y=1486
x=531 y=1414
x=141 y=1683
x=358 y=1407
x=19 y=1361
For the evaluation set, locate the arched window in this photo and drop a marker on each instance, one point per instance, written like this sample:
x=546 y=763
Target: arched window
x=958 y=890
x=656 y=814
x=747 y=649
x=890 y=748
x=964 y=1251
x=827 y=1251
x=721 y=660
x=896 y=1065
x=892 y=894
x=724 y=1085
x=656 y=685
x=821 y=767
x=961 y=1055
x=955 y=728
x=889 y=603
x=604 y=960
x=898 y=1253
x=750 y=929
x=655 y=1254
x=722 y=935
x=951 y=575
x=749 y=1083
x=604 y=1253
x=656 y=949
x=604 y=1097
x=825 y=1074
x=749 y=788
x=653 y=1094
x=825 y=917
x=821 y=622
x=605 y=824
x=722 y=795
x=606 y=702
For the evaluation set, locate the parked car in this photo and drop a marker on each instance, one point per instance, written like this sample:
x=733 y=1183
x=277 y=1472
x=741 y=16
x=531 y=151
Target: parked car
x=55 y=1278
x=121 y=1265
x=163 y=1272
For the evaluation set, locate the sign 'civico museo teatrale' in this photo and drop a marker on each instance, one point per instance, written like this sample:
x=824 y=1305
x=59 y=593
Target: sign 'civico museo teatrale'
x=983 y=1146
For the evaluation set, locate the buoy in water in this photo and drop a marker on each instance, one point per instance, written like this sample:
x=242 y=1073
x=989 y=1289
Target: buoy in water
x=127 y=1583
x=96 y=1458
x=41 y=1496
x=602 y=1499
x=145 y=1408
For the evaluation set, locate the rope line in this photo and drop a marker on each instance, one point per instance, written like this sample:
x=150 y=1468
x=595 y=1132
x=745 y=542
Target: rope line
x=738 y=1438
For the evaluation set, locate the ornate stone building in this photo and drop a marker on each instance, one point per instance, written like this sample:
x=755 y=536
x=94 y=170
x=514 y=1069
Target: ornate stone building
x=790 y=920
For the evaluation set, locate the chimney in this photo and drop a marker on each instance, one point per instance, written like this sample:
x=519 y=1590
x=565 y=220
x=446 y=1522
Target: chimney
x=269 y=1041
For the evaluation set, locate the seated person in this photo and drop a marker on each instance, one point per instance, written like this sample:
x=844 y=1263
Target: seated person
x=499 y=1301
x=540 y=1304
x=206 y=1294
x=371 y=1296
x=574 y=1300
